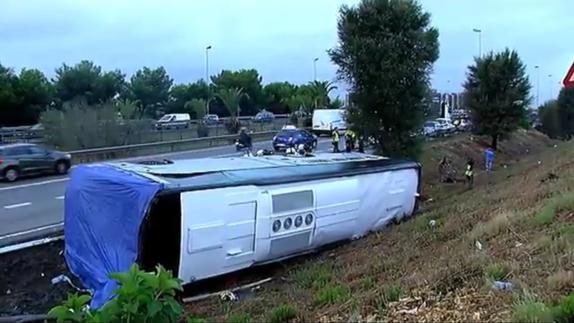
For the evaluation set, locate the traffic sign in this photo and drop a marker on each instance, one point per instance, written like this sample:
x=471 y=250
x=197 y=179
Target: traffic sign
x=569 y=79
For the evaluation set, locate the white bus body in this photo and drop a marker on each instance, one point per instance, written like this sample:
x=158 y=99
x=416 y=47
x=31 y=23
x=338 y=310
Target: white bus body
x=325 y=120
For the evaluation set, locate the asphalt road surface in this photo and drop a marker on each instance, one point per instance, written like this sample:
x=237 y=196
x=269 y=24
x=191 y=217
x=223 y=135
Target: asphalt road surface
x=31 y=204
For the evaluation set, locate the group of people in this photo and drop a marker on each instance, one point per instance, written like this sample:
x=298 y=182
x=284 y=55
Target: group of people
x=352 y=141
x=448 y=174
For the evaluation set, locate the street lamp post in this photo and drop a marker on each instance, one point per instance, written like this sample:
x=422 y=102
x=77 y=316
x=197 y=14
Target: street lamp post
x=479 y=32
x=207 y=76
x=537 y=85
x=315 y=68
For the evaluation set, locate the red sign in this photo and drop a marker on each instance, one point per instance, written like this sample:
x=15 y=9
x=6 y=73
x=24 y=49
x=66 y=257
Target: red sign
x=569 y=79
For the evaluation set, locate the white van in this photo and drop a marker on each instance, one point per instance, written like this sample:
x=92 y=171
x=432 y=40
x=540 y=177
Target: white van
x=173 y=121
x=324 y=120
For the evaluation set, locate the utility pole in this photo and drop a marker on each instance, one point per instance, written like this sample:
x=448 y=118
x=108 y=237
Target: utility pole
x=315 y=68
x=479 y=32
x=207 y=77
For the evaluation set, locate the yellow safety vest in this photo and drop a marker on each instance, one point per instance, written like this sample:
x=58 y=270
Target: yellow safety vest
x=335 y=136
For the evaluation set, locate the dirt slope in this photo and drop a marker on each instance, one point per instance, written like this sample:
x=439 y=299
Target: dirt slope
x=440 y=272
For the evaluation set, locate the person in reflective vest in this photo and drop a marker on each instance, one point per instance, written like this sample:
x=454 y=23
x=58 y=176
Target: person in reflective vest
x=335 y=139
x=469 y=172
x=349 y=140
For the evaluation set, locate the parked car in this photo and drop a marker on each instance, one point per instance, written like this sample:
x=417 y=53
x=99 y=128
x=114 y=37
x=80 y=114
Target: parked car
x=17 y=160
x=431 y=129
x=264 y=116
x=293 y=136
x=173 y=121
x=210 y=119
x=445 y=125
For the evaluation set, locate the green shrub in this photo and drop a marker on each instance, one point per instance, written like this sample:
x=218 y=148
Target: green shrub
x=392 y=293
x=282 y=313
x=232 y=125
x=316 y=275
x=195 y=319
x=531 y=311
x=368 y=282
x=564 y=311
x=239 y=318
x=555 y=205
x=497 y=271
x=202 y=130
x=140 y=297
x=333 y=295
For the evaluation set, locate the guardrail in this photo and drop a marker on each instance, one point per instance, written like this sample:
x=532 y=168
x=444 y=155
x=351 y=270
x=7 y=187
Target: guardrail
x=162 y=147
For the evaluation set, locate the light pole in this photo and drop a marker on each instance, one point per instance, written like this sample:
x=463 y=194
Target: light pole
x=315 y=68
x=537 y=85
x=207 y=77
x=551 y=86
x=479 y=32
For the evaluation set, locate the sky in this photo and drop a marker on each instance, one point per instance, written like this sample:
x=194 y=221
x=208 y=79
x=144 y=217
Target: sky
x=280 y=38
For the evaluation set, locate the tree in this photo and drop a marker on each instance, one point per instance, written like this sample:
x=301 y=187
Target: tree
x=196 y=108
x=385 y=53
x=247 y=80
x=276 y=94
x=565 y=110
x=550 y=120
x=35 y=94
x=86 y=82
x=231 y=98
x=9 y=101
x=150 y=89
x=182 y=93
x=497 y=93
x=337 y=103
x=320 y=91
x=300 y=102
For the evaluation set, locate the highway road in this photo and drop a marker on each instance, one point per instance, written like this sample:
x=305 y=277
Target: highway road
x=35 y=203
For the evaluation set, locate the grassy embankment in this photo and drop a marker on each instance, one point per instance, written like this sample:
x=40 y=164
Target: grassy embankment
x=521 y=215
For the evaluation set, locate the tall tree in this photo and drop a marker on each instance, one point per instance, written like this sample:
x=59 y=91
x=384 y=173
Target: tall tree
x=565 y=106
x=385 y=53
x=9 y=100
x=497 y=91
x=182 y=93
x=320 y=91
x=231 y=98
x=86 y=82
x=35 y=92
x=551 y=124
x=247 y=80
x=276 y=94
x=150 y=89
x=196 y=108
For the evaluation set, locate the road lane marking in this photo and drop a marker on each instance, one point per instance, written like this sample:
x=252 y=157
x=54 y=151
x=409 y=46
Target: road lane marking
x=34 y=184
x=60 y=197
x=46 y=227
x=13 y=206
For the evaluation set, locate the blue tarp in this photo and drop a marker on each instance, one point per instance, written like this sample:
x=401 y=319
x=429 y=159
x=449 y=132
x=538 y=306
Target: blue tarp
x=104 y=208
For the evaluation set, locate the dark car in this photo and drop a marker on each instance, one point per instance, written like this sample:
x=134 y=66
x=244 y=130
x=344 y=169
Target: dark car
x=17 y=160
x=290 y=136
x=264 y=116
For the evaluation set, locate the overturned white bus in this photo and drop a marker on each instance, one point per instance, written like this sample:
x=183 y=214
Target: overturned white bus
x=206 y=217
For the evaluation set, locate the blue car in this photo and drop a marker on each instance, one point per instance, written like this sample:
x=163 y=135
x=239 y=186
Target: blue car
x=294 y=137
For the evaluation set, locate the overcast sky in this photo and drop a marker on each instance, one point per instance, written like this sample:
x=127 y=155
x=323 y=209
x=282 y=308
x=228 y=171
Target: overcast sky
x=280 y=38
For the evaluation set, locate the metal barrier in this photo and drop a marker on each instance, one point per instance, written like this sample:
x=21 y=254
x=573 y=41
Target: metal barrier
x=162 y=147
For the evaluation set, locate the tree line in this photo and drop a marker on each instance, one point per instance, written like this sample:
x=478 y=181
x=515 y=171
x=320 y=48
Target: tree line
x=25 y=95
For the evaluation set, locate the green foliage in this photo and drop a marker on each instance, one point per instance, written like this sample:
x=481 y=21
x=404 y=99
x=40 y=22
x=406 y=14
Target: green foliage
x=332 y=295
x=276 y=94
x=497 y=272
x=319 y=92
x=249 y=81
x=564 y=311
x=528 y=309
x=386 y=51
x=196 y=108
x=282 y=313
x=550 y=121
x=230 y=99
x=85 y=82
x=497 y=93
x=239 y=318
x=150 y=88
x=140 y=297
x=195 y=319
x=181 y=94
x=316 y=275
x=368 y=282
x=336 y=103
x=565 y=111
x=563 y=202
x=232 y=125
x=390 y=294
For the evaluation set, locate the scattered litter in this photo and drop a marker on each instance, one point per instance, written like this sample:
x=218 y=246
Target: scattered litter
x=63 y=278
x=539 y=162
x=432 y=223
x=61 y=253
x=8 y=292
x=478 y=245
x=234 y=290
x=42 y=275
x=502 y=285
x=555 y=146
x=227 y=296
x=409 y=312
x=518 y=245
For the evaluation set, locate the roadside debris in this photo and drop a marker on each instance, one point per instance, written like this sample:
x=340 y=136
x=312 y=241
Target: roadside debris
x=230 y=295
x=478 y=245
x=63 y=278
x=502 y=285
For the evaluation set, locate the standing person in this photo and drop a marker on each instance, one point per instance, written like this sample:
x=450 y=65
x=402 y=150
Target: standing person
x=335 y=139
x=361 y=140
x=489 y=159
x=349 y=140
x=469 y=173
x=245 y=140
